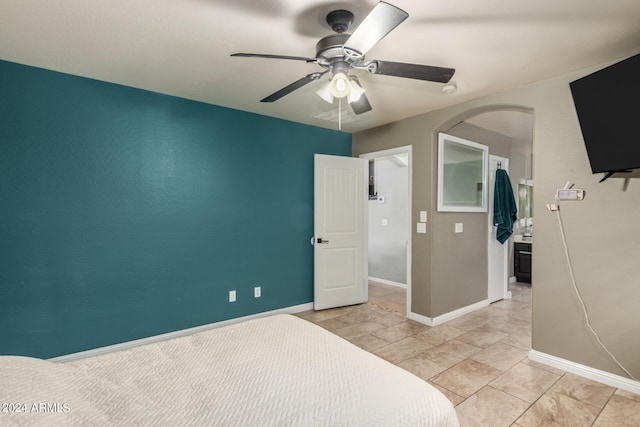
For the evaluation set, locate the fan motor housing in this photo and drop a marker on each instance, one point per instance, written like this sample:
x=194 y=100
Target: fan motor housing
x=339 y=20
x=331 y=47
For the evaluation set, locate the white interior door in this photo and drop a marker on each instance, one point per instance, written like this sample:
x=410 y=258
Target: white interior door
x=340 y=231
x=498 y=253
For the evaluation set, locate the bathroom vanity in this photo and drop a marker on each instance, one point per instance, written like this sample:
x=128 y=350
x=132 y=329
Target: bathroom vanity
x=522 y=249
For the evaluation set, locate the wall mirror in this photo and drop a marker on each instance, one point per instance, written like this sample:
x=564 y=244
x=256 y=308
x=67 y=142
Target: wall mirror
x=525 y=202
x=462 y=175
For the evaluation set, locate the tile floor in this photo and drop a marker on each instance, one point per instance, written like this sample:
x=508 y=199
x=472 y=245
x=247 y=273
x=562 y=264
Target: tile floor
x=479 y=361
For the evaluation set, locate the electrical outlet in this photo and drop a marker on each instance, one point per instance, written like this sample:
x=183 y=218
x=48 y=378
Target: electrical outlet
x=257 y=292
x=459 y=228
x=232 y=296
x=570 y=194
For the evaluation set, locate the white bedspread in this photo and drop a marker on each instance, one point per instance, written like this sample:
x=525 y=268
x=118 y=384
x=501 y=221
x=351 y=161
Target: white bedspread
x=279 y=370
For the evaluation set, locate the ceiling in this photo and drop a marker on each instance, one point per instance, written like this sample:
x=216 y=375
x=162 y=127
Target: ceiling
x=182 y=48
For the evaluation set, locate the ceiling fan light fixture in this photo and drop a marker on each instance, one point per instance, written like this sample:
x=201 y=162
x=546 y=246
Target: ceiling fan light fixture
x=356 y=91
x=325 y=93
x=339 y=86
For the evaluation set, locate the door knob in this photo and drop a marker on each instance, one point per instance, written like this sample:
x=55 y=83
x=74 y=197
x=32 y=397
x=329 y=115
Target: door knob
x=318 y=240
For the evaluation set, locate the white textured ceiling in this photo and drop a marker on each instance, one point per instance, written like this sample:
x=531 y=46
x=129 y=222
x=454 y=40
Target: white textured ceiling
x=182 y=47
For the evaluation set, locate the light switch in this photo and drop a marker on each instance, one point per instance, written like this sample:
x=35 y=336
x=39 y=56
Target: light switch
x=459 y=227
x=421 y=227
x=423 y=216
x=384 y=222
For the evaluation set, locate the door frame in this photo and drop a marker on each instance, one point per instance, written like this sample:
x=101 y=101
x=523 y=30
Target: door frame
x=506 y=294
x=406 y=149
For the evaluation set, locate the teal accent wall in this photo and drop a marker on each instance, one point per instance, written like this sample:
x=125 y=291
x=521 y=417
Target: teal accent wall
x=126 y=214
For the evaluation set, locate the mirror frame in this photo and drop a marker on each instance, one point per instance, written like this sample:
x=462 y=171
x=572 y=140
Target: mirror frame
x=445 y=140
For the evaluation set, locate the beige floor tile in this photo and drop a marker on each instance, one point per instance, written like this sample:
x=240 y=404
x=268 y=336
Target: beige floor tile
x=513 y=305
x=619 y=412
x=584 y=390
x=517 y=310
x=525 y=315
x=509 y=310
x=482 y=337
x=500 y=356
x=402 y=350
x=467 y=323
x=451 y=352
x=386 y=305
x=400 y=331
x=520 y=338
x=633 y=396
x=558 y=410
x=490 y=407
x=543 y=366
x=380 y=290
x=422 y=367
x=398 y=298
x=439 y=334
x=466 y=377
x=368 y=342
x=507 y=325
x=332 y=324
x=357 y=316
x=389 y=319
x=318 y=316
x=525 y=382
x=452 y=358
x=358 y=329
x=454 y=398
x=362 y=308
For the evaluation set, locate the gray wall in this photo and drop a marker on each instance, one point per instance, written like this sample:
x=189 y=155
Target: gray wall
x=602 y=231
x=448 y=267
x=518 y=153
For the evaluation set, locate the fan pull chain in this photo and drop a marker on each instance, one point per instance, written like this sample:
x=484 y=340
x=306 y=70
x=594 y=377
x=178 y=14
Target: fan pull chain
x=339 y=113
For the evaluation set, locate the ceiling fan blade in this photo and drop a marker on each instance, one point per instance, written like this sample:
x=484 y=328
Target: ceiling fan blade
x=378 y=23
x=293 y=86
x=260 y=55
x=411 y=71
x=361 y=105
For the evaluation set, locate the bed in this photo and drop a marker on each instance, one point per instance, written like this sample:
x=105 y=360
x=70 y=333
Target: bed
x=278 y=370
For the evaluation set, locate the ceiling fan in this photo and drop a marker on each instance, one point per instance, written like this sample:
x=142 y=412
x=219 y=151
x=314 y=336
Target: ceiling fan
x=338 y=53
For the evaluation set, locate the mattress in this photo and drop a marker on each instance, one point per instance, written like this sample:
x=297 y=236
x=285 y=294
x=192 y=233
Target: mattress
x=274 y=371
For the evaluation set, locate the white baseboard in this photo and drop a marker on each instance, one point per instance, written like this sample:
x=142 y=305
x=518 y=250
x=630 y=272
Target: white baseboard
x=388 y=282
x=420 y=318
x=438 y=320
x=586 y=371
x=181 y=333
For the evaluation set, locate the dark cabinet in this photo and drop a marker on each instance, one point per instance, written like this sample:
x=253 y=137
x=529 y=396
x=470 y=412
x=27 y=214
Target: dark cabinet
x=522 y=261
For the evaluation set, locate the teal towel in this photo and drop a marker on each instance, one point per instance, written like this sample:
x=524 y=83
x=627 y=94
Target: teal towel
x=504 y=206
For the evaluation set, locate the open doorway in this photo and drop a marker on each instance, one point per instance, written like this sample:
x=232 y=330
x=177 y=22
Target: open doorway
x=508 y=132
x=389 y=208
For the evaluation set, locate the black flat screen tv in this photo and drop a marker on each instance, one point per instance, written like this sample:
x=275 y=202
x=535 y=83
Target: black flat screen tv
x=607 y=103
